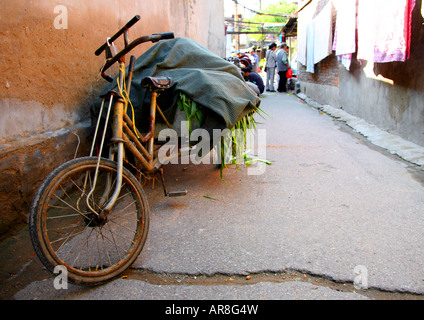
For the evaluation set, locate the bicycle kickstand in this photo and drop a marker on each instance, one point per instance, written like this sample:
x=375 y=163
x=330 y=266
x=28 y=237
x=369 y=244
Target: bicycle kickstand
x=170 y=194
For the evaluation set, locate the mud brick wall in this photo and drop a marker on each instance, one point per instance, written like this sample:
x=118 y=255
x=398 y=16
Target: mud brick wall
x=50 y=78
x=23 y=168
x=326 y=72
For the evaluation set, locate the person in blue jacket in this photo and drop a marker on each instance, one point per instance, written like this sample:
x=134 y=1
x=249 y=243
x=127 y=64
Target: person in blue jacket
x=255 y=78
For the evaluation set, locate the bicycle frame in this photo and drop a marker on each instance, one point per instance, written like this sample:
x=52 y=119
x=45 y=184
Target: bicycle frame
x=125 y=134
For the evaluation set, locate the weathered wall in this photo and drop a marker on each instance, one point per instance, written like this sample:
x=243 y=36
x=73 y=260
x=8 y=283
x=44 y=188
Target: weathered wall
x=323 y=85
x=397 y=108
x=50 y=77
x=49 y=74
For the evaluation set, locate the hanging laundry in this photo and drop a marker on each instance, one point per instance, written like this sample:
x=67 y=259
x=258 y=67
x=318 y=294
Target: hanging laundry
x=384 y=30
x=324 y=33
x=422 y=9
x=366 y=29
x=394 y=43
x=310 y=38
x=345 y=32
x=346 y=58
x=301 y=44
x=304 y=18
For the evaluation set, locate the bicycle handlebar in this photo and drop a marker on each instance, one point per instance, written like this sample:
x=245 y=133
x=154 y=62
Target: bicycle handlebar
x=116 y=35
x=128 y=47
x=153 y=38
x=164 y=35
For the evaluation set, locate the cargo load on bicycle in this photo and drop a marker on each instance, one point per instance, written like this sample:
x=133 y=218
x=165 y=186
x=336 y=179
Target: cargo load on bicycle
x=214 y=84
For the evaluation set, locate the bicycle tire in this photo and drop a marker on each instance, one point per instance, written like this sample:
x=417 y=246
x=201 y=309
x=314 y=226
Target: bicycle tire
x=64 y=232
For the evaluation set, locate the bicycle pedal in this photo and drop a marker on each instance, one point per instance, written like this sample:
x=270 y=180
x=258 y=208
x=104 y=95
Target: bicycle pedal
x=177 y=194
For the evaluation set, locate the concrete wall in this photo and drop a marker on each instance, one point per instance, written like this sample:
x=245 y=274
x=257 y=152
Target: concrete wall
x=50 y=76
x=397 y=108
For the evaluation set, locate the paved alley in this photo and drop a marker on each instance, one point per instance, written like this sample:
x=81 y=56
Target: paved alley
x=331 y=205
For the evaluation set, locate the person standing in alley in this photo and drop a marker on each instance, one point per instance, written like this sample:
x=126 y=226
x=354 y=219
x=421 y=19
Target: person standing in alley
x=271 y=64
x=282 y=67
x=255 y=60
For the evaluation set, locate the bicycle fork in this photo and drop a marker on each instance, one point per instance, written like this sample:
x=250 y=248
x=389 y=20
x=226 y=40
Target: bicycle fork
x=117 y=148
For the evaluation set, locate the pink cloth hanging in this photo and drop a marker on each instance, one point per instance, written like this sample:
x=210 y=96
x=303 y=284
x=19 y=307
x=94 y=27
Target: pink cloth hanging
x=384 y=30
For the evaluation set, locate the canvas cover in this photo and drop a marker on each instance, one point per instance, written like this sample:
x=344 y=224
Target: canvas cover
x=212 y=82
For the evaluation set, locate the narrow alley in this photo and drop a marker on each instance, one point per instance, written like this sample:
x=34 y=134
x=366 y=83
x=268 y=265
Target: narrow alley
x=330 y=211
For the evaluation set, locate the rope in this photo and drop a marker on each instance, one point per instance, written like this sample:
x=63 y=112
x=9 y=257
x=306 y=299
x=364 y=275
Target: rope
x=127 y=100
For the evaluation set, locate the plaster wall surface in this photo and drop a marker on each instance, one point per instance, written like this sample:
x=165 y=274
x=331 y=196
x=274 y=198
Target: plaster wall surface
x=50 y=77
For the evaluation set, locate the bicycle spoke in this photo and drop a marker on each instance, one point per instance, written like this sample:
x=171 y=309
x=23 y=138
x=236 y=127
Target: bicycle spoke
x=114 y=241
x=70 y=206
x=116 y=215
x=124 y=250
x=64 y=216
x=120 y=236
x=99 y=251
x=75 y=242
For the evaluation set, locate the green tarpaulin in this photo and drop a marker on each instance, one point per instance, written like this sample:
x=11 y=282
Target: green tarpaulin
x=207 y=79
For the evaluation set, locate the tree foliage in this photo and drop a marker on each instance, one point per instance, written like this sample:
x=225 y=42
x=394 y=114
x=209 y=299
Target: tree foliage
x=280 y=8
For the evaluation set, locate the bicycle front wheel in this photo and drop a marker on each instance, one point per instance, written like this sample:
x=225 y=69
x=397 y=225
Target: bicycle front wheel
x=65 y=231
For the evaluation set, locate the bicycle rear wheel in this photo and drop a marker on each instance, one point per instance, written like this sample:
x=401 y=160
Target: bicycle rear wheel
x=64 y=231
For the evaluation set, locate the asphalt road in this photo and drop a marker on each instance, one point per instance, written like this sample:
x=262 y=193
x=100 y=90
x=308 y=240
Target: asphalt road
x=331 y=205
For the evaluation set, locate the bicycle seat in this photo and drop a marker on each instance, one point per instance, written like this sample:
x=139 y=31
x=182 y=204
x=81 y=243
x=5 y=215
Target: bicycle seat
x=158 y=83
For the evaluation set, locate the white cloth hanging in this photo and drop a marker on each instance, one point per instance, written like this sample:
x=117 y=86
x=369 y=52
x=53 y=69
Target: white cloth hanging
x=304 y=19
x=345 y=33
x=310 y=38
x=344 y=38
x=323 y=33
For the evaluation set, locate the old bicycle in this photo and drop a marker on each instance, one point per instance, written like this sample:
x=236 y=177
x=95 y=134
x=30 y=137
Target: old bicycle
x=91 y=214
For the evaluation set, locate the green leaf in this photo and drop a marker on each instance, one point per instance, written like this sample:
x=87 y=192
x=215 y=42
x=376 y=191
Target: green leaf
x=207 y=197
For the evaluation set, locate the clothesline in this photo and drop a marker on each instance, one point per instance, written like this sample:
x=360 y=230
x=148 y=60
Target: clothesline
x=263 y=13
